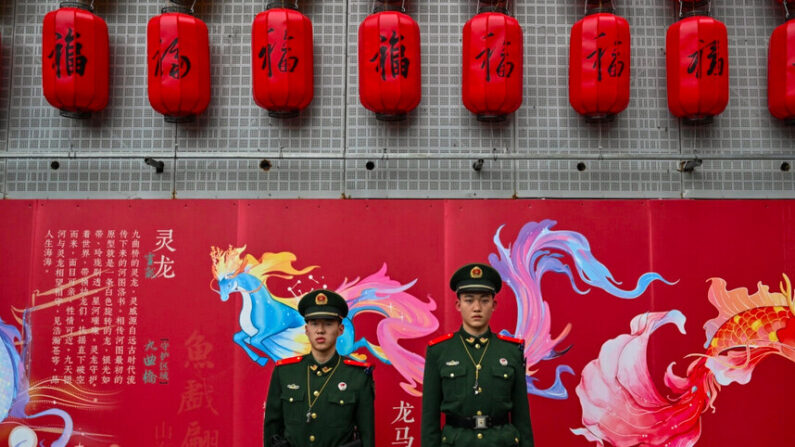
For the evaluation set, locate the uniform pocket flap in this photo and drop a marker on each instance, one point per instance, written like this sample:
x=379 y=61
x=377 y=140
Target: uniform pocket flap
x=293 y=395
x=452 y=372
x=337 y=397
x=503 y=372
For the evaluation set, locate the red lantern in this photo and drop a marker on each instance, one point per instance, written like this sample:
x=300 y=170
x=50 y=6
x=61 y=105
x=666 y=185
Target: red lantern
x=781 y=70
x=282 y=60
x=75 y=67
x=178 y=51
x=389 y=62
x=599 y=63
x=697 y=63
x=492 y=59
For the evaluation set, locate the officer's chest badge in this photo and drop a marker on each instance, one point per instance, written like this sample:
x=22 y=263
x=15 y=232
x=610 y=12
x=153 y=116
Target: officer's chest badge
x=293 y=386
x=342 y=386
x=503 y=362
x=452 y=363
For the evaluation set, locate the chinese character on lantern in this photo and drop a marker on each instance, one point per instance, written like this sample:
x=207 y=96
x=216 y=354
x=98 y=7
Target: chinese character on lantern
x=492 y=62
x=389 y=61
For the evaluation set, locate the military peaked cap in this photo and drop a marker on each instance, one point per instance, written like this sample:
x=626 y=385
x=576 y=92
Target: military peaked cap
x=322 y=304
x=476 y=278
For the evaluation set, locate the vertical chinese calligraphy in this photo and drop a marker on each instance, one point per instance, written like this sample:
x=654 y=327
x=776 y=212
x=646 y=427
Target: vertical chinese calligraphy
x=616 y=66
x=715 y=62
x=156 y=357
x=391 y=57
x=161 y=265
x=400 y=423
x=504 y=67
x=67 y=55
x=286 y=63
x=178 y=64
x=95 y=324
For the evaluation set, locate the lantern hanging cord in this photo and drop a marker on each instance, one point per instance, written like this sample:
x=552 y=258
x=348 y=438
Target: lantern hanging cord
x=599 y=6
x=694 y=8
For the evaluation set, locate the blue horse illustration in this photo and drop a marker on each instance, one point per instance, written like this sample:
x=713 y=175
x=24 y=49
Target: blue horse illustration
x=14 y=382
x=270 y=324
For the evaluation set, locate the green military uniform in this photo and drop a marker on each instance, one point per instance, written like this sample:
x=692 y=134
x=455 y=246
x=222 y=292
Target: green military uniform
x=320 y=405
x=478 y=382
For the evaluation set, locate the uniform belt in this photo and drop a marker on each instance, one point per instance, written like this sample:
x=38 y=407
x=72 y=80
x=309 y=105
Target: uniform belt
x=475 y=422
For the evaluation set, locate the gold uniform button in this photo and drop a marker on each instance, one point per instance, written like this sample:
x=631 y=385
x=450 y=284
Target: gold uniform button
x=480 y=435
x=316 y=393
x=291 y=399
x=314 y=415
x=444 y=438
x=319 y=373
x=452 y=374
x=311 y=438
x=342 y=402
x=505 y=376
x=516 y=440
x=480 y=413
x=477 y=346
x=477 y=366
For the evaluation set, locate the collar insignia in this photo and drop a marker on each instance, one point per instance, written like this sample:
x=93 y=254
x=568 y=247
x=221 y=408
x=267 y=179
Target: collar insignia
x=452 y=363
x=313 y=367
x=326 y=369
x=292 y=386
x=471 y=340
x=484 y=339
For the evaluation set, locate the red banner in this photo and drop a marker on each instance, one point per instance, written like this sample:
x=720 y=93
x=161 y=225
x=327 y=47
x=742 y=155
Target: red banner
x=145 y=323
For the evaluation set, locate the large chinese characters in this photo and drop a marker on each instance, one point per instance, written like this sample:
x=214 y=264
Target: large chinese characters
x=492 y=74
x=75 y=61
x=282 y=61
x=178 y=53
x=697 y=64
x=599 y=65
x=389 y=64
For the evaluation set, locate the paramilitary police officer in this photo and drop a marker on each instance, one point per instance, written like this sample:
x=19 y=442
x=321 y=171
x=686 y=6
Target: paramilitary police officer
x=475 y=377
x=321 y=399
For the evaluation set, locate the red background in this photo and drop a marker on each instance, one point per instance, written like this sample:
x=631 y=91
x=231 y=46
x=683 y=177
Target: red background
x=743 y=242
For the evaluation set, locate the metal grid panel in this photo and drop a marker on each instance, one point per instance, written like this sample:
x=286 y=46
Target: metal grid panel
x=746 y=125
x=337 y=124
x=732 y=179
x=233 y=121
x=441 y=123
x=426 y=178
x=245 y=179
x=88 y=179
x=127 y=124
x=547 y=122
x=598 y=179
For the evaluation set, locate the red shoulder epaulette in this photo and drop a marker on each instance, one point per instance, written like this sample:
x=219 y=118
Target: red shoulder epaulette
x=355 y=363
x=518 y=341
x=290 y=360
x=441 y=339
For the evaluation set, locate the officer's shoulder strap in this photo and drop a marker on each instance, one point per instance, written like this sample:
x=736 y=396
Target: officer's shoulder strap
x=441 y=339
x=518 y=341
x=289 y=360
x=357 y=363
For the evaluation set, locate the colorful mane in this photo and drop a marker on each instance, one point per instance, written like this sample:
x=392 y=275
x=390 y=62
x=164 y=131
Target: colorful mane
x=404 y=315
